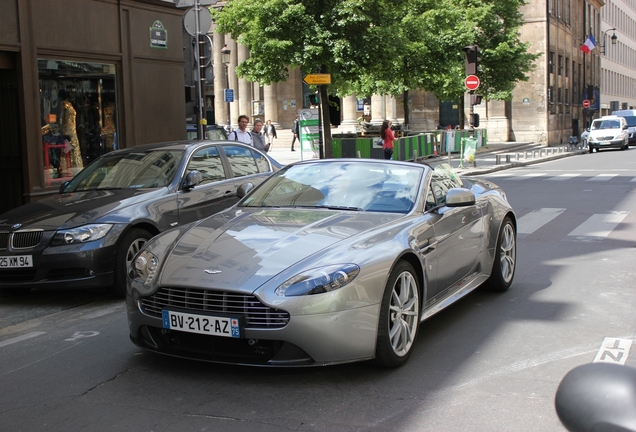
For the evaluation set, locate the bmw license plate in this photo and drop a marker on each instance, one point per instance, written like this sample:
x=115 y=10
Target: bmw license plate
x=605 y=143
x=202 y=324
x=18 y=261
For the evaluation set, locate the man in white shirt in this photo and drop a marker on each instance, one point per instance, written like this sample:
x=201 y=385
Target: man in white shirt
x=241 y=134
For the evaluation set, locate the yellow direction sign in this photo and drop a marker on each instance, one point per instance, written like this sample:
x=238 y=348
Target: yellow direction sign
x=316 y=79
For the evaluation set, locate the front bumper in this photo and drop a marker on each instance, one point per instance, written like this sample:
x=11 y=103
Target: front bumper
x=88 y=265
x=606 y=144
x=307 y=340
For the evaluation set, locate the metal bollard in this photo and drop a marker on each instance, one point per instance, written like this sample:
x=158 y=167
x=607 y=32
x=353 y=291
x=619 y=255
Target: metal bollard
x=527 y=155
x=497 y=159
x=507 y=158
x=517 y=156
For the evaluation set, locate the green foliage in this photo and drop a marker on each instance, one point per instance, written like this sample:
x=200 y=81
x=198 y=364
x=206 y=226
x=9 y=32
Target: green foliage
x=381 y=46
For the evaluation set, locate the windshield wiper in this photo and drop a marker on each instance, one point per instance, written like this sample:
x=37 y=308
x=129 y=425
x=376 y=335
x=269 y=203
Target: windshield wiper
x=336 y=207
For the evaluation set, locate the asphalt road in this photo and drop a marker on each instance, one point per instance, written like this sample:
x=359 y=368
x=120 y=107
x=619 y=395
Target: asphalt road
x=491 y=362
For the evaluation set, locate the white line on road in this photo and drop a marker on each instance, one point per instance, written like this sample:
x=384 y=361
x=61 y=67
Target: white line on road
x=534 y=220
x=602 y=177
x=599 y=225
x=20 y=338
x=562 y=177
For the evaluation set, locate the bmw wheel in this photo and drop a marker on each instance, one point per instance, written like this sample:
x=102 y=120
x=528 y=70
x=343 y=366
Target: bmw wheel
x=130 y=244
x=399 y=317
x=503 y=268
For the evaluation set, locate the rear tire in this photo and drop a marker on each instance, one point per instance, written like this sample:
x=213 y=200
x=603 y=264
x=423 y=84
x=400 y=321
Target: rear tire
x=129 y=245
x=505 y=263
x=399 y=317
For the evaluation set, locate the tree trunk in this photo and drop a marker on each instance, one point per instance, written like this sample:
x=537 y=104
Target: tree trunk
x=407 y=117
x=326 y=122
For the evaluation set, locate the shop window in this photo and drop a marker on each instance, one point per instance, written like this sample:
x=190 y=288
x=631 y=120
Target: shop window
x=78 y=115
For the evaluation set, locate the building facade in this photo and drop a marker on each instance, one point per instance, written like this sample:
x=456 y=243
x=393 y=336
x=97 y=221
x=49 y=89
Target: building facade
x=79 y=78
x=617 y=45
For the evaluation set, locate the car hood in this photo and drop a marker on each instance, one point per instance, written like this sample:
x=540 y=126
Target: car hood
x=74 y=209
x=240 y=250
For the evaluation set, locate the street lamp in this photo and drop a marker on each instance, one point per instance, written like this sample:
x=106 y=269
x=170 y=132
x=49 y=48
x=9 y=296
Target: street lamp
x=613 y=38
x=225 y=59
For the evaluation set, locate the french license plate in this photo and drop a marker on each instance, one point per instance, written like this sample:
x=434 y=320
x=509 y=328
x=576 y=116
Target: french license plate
x=605 y=143
x=17 y=261
x=202 y=324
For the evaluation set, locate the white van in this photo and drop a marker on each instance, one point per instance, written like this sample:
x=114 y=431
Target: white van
x=630 y=116
x=608 y=132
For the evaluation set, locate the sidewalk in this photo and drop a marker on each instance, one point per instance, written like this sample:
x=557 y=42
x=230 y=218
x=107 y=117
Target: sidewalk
x=518 y=153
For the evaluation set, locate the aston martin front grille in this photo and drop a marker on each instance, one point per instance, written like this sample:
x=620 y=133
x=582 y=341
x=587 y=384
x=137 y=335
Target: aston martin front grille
x=257 y=315
x=26 y=239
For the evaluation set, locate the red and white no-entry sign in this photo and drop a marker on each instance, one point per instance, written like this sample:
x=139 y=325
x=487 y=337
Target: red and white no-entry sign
x=471 y=82
x=586 y=103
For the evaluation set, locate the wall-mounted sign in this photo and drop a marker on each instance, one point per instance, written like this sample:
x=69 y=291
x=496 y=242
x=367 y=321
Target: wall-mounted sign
x=158 y=36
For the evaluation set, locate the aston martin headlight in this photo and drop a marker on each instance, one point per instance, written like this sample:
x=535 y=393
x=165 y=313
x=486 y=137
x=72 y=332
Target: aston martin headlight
x=318 y=280
x=145 y=267
x=83 y=234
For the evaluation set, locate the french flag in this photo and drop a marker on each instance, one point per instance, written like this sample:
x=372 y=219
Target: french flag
x=589 y=44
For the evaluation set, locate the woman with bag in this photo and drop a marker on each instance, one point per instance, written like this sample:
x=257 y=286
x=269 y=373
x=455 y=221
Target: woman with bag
x=387 y=137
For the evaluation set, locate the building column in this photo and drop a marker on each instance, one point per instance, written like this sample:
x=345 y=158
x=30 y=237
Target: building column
x=220 y=82
x=349 y=114
x=378 y=109
x=244 y=86
x=270 y=96
x=391 y=108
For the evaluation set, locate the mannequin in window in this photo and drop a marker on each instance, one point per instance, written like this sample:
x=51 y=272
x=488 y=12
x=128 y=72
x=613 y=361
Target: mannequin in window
x=108 y=131
x=69 y=130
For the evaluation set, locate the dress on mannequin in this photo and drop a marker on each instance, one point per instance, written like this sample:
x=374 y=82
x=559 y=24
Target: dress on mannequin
x=108 y=131
x=69 y=130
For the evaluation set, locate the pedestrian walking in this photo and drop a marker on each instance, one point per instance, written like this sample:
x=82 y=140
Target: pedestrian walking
x=241 y=134
x=387 y=137
x=295 y=130
x=258 y=139
x=270 y=133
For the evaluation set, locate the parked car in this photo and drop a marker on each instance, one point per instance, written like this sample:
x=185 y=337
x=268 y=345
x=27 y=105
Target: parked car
x=85 y=236
x=630 y=118
x=327 y=261
x=212 y=132
x=608 y=132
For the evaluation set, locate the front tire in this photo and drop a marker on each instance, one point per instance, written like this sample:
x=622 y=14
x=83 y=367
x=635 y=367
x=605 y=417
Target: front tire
x=132 y=243
x=399 y=317
x=505 y=263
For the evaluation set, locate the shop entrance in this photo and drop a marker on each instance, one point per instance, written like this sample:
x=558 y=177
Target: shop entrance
x=11 y=172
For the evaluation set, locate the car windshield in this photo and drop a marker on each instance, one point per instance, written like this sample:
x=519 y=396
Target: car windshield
x=143 y=169
x=631 y=121
x=341 y=185
x=606 y=124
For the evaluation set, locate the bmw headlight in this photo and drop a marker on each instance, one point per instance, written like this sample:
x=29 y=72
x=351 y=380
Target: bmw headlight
x=318 y=280
x=83 y=234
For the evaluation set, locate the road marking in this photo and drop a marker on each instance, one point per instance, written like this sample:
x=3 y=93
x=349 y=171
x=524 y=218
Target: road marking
x=20 y=338
x=82 y=334
x=613 y=350
x=534 y=220
x=598 y=226
x=525 y=176
x=602 y=177
x=562 y=177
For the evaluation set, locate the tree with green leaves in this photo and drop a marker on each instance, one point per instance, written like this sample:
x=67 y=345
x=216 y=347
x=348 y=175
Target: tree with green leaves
x=379 y=46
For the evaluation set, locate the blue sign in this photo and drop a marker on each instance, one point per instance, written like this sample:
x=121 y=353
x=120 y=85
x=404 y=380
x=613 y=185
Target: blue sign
x=229 y=95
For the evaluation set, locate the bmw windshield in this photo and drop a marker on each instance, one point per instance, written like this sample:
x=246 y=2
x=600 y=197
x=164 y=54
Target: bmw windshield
x=144 y=169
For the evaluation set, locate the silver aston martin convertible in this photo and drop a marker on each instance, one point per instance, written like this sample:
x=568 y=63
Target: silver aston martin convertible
x=325 y=262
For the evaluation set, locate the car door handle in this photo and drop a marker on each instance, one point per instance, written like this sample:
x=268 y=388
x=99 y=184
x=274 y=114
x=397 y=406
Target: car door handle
x=228 y=193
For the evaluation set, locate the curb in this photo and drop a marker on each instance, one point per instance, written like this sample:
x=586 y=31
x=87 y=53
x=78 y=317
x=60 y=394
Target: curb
x=494 y=168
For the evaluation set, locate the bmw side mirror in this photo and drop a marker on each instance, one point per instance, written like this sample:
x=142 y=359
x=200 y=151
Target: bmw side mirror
x=244 y=189
x=192 y=179
x=63 y=186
